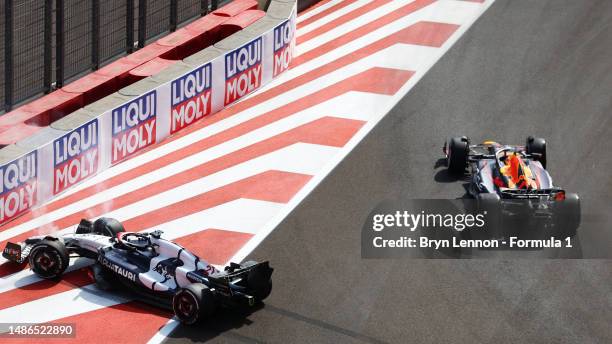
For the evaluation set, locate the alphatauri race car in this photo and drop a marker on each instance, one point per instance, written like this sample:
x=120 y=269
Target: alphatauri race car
x=160 y=271
x=511 y=181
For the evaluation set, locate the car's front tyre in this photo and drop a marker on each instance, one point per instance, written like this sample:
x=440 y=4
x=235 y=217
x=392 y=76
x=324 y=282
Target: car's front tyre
x=537 y=146
x=49 y=258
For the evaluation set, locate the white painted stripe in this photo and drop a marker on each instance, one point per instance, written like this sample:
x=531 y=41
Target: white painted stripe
x=186 y=140
x=165 y=331
x=393 y=59
x=383 y=106
x=332 y=16
x=303 y=16
x=68 y=303
x=253 y=215
x=377 y=116
x=449 y=12
x=351 y=26
x=26 y=277
x=247 y=169
x=282 y=160
x=252 y=137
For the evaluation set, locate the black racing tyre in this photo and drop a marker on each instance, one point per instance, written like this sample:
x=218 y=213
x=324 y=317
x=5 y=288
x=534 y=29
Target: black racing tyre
x=193 y=303
x=567 y=216
x=103 y=278
x=457 y=154
x=489 y=205
x=260 y=282
x=537 y=145
x=49 y=258
x=108 y=227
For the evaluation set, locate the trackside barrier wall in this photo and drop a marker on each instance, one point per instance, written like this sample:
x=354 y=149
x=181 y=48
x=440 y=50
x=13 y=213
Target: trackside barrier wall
x=110 y=130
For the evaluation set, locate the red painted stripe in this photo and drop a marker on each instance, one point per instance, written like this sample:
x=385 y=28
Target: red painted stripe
x=325 y=13
x=326 y=131
x=131 y=322
x=44 y=288
x=361 y=31
x=214 y=245
x=271 y=186
x=318 y=4
x=388 y=82
x=315 y=73
x=358 y=12
x=231 y=111
x=9 y=268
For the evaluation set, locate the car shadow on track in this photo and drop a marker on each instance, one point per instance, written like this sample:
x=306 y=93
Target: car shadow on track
x=222 y=323
x=444 y=176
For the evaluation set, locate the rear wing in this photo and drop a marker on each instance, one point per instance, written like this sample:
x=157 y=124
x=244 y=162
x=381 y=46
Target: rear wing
x=555 y=193
x=235 y=282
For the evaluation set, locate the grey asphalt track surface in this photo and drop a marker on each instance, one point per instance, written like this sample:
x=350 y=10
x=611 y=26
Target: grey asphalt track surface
x=525 y=67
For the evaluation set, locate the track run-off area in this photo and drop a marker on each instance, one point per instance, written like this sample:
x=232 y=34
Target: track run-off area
x=222 y=186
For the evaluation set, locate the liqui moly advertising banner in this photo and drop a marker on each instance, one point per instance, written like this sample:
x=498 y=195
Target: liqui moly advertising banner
x=76 y=156
x=284 y=45
x=18 y=188
x=133 y=126
x=118 y=133
x=191 y=98
x=243 y=70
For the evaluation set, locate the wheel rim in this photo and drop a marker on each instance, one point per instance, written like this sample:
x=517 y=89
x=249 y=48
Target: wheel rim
x=186 y=307
x=45 y=261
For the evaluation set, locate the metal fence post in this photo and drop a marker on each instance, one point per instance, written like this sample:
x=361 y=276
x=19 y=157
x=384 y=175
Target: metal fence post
x=59 y=43
x=173 y=15
x=95 y=34
x=48 y=49
x=8 y=54
x=142 y=23
x=203 y=8
x=129 y=26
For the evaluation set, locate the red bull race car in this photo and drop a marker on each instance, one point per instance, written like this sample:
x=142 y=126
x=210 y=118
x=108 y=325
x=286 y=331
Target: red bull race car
x=511 y=182
x=158 y=271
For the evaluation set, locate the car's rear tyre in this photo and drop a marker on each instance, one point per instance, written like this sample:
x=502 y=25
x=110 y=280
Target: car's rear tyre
x=49 y=259
x=567 y=216
x=108 y=227
x=537 y=146
x=489 y=205
x=193 y=303
x=457 y=155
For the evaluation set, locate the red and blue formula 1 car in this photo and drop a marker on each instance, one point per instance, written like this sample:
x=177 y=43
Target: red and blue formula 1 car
x=512 y=182
x=159 y=271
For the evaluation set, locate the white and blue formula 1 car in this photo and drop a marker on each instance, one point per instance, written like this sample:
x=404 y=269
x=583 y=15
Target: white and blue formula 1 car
x=159 y=271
